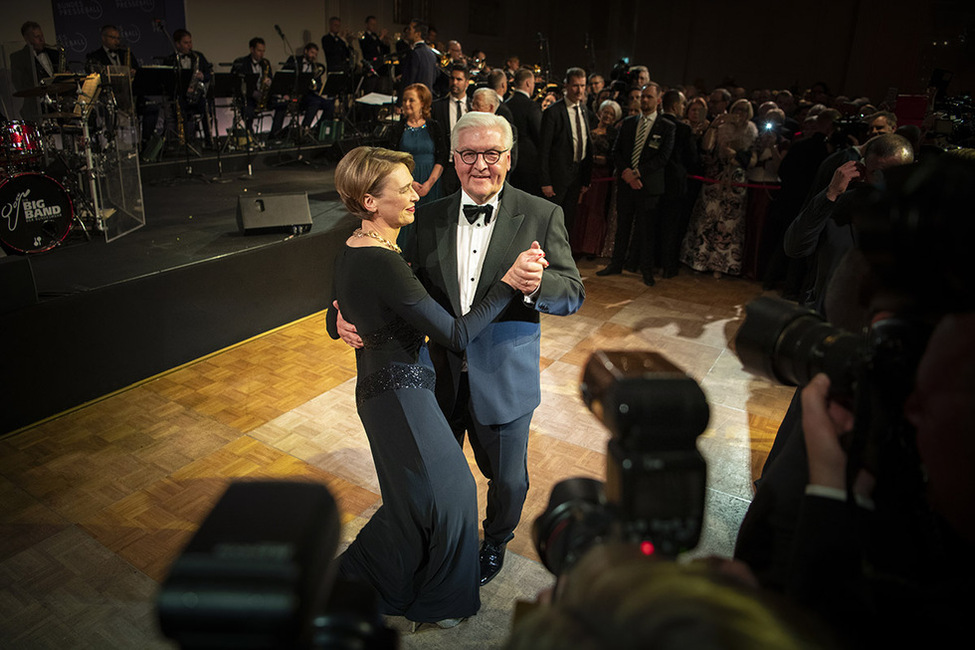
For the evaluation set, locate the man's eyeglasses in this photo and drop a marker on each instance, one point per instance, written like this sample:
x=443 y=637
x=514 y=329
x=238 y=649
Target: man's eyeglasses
x=490 y=157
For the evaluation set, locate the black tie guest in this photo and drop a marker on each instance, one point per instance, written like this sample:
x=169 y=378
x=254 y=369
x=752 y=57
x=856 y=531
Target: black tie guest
x=311 y=102
x=375 y=47
x=112 y=54
x=565 y=154
x=256 y=98
x=192 y=99
x=446 y=111
x=527 y=120
x=32 y=64
x=671 y=225
x=640 y=156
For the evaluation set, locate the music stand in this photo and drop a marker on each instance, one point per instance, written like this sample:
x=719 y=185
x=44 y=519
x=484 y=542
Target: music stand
x=288 y=82
x=230 y=84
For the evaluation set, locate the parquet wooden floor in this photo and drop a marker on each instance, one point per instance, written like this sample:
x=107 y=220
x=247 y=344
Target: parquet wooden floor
x=96 y=504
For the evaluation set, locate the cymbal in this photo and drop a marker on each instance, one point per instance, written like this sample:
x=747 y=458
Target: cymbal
x=50 y=89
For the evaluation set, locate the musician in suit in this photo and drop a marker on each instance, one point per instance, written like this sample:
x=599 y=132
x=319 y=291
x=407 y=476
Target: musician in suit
x=671 y=225
x=565 y=151
x=446 y=111
x=375 y=47
x=527 y=120
x=197 y=70
x=640 y=155
x=458 y=247
x=32 y=64
x=311 y=102
x=421 y=63
x=111 y=53
x=253 y=99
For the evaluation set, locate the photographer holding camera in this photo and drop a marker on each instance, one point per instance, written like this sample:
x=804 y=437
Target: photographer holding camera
x=865 y=517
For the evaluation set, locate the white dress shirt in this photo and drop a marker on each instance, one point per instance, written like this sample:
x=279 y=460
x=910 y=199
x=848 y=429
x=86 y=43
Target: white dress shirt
x=473 y=240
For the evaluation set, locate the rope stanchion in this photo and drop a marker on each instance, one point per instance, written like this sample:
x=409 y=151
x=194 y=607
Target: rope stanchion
x=758 y=186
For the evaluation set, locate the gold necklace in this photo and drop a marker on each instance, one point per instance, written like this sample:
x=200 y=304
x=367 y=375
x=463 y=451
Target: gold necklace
x=359 y=232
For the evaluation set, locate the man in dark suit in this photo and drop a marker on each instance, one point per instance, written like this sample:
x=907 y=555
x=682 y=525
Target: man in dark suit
x=112 y=54
x=374 y=47
x=421 y=63
x=32 y=64
x=447 y=110
x=565 y=152
x=640 y=155
x=527 y=119
x=670 y=224
x=253 y=98
x=198 y=71
x=460 y=246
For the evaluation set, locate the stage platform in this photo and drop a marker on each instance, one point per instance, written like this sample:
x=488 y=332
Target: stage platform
x=185 y=285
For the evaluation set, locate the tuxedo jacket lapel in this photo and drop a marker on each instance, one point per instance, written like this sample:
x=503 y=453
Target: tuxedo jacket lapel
x=499 y=252
x=447 y=250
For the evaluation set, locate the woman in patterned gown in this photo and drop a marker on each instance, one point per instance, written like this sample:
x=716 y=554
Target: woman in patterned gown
x=715 y=237
x=420 y=549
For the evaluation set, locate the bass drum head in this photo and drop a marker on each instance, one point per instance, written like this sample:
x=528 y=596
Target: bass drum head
x=35 y=213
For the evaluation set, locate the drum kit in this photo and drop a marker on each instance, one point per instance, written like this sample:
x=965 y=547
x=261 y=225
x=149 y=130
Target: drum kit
x=49 y=170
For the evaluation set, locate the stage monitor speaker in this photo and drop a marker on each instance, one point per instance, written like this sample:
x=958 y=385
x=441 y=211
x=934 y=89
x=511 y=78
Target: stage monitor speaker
x=257 y=213
x=17 y=287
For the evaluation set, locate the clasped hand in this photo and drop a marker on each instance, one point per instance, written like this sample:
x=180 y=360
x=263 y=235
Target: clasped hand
x=526 y=273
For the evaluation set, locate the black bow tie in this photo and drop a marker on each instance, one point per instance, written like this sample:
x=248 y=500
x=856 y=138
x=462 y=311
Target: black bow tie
x=472 y=212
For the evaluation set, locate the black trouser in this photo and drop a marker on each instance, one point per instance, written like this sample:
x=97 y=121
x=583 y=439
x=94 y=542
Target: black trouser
x=501 y=452
x=635 y=214
x=669 y=232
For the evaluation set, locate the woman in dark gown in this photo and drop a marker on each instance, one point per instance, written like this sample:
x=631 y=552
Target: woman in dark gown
x=420 y=549
x=423 y=138
x=593 y=215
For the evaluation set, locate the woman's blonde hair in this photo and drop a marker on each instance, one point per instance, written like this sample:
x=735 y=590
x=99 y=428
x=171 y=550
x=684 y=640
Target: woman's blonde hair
x=364 y=171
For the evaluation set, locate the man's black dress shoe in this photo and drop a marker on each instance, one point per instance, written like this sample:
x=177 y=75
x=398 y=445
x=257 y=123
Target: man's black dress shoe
x=492 y=559
x=648 y=279
x=609 y=270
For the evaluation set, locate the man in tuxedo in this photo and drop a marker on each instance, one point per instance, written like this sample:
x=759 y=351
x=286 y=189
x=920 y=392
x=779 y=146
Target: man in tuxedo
x=31 y=65
x=198 y=71
x=684 y=157
x=447 y=110
x=112 y=54
x=640 y=155
x=565 y=151
x=527 y=119
x=251 y=96
x=498 y=82
x=421 y=63
x=460 y=246
x=311 y=102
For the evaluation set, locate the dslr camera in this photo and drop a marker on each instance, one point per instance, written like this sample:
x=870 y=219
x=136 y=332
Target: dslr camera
x=655 y=476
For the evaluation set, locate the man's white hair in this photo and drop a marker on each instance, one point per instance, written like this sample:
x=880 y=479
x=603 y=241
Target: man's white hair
x=472 y=120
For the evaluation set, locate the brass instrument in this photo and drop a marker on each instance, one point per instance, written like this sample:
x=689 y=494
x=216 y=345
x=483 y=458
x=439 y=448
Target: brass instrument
x=263 y=90
x=180 y=124
x=62 y=65
x=197 y=88
x=318 y=80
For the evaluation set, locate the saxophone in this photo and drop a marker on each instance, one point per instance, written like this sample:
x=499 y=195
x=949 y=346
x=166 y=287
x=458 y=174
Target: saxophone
x=263 y=88
x=197 y=88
